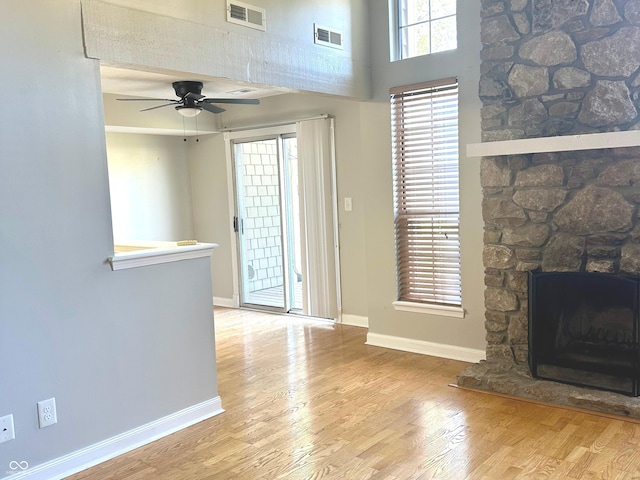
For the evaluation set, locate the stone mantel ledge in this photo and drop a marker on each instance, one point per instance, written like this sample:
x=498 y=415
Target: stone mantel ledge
x=132 y=254
x=563 y=143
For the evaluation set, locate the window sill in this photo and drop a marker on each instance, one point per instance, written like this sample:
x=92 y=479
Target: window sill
x=442 y=310
x=142 y=254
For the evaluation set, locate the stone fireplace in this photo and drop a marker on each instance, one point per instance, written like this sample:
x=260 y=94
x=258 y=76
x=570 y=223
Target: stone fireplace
x=555 y=68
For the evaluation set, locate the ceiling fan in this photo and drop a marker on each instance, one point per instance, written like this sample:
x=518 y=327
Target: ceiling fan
x=191 y=102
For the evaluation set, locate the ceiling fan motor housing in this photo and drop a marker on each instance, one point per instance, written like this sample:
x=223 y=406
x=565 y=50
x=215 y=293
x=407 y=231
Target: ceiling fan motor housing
x=187 y=86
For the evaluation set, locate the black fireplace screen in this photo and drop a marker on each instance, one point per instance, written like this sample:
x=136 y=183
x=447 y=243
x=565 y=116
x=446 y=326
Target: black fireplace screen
x=583 y=330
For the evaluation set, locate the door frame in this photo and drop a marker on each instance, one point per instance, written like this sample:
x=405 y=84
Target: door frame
x=247 y=134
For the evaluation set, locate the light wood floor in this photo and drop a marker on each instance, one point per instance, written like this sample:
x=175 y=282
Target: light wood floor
x=308 y=400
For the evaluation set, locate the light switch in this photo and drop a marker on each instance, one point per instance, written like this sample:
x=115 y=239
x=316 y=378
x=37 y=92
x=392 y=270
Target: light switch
x=348 y=205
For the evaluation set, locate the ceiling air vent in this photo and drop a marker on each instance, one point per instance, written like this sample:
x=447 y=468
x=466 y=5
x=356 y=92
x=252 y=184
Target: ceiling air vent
x=246 y=15
x=327 y=37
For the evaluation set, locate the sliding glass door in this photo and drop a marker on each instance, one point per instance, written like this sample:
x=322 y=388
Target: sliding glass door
x=267 y=223
x=285 y=217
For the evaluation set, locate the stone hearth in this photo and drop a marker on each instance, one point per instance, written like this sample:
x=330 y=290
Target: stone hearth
x=516 y=380
x=555 y=67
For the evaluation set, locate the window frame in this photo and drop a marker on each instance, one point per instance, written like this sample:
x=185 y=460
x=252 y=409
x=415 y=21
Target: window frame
x=398 y=28
x=427 y=211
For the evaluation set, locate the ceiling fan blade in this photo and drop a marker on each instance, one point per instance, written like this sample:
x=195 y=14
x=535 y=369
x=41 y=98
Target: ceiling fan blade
x=211 y=108
x=146 y=100
x=238 y=101
x=158 y=106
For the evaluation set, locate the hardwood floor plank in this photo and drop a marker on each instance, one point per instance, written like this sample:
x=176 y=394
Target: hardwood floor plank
x=308 y=400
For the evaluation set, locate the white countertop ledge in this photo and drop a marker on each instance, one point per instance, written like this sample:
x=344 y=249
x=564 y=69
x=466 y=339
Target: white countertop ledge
x=141 y=254
x=562 y=143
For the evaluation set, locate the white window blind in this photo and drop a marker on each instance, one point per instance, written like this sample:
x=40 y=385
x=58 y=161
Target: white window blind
x=424 y=122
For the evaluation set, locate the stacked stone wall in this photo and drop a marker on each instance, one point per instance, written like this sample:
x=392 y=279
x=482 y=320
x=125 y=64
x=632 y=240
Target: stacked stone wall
x=556 y=67
x=563 y=212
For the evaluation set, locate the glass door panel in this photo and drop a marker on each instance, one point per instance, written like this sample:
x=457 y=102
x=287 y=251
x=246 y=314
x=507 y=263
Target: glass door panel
x=291 y=215
x=259 y=225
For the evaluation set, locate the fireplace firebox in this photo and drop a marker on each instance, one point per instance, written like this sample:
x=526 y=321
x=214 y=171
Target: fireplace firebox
x=583 y=329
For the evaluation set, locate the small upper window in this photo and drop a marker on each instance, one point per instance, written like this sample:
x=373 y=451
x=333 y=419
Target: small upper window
x=425 y=26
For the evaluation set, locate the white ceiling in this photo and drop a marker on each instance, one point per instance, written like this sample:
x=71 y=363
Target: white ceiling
x=140 y=83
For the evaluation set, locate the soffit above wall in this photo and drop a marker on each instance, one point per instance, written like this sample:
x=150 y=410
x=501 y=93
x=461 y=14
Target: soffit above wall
x=139 y=83
x=124 y=37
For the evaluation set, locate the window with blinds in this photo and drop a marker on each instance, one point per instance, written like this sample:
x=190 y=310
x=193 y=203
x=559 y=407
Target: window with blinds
x=424 y=123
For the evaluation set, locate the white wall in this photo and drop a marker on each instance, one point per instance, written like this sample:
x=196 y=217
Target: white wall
x=150 y=185
x=133 y=345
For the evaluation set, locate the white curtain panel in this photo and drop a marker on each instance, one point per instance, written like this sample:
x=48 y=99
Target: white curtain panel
x=317 y=205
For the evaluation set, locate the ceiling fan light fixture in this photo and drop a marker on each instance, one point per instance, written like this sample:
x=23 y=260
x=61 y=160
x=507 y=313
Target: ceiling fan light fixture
x=188 y=111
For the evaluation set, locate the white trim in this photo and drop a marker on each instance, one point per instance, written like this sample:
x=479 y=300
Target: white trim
x=394 y=41
x=452 y=352
x=157 y=131
x=271 y=125
x=226 y=302
x=92 y=455
x=563 y=143
x=153 y=255
x=231 y=196
x=429 y=309
x=354 y=320
x=335 y=217
x=248 y=134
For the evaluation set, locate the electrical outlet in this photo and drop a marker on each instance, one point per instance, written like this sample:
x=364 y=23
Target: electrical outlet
x=7 y=432
x=47 y=413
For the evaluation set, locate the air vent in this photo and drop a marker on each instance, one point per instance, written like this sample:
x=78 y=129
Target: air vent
x=246 y=15
x=327 y=37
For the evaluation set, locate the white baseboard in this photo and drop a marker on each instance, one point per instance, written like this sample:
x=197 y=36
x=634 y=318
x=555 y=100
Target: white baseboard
x=112 y=447
x=452 y=352
x=226 y=302
x=355 y=320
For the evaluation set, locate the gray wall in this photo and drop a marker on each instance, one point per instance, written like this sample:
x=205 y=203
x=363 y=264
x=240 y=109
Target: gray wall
x=70 y=328
x=150 y=186
x=462 y=63
x=211 y=218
